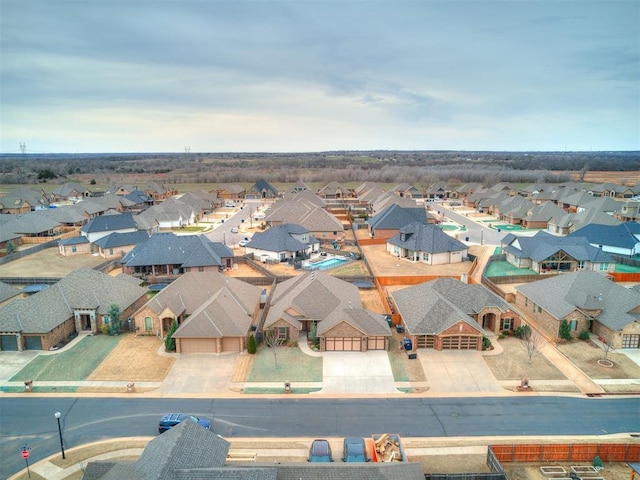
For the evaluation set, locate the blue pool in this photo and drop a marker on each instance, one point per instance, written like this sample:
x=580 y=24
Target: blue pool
x=326 y=264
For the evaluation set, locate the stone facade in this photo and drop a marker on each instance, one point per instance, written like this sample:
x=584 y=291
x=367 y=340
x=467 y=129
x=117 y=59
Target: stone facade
x=546 y=322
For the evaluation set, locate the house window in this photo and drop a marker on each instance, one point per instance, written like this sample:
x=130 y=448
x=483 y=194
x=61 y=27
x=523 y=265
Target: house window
x=282 y=333
x=74 y=249
x=581 y=265
x=111 y=251
x=425 y=256
x=506 y=323
x=604 y=267
x=573 y=325
x=148 y=324
x=526 y=301
x=201 y=268
x=106 y=319
x=187 y=269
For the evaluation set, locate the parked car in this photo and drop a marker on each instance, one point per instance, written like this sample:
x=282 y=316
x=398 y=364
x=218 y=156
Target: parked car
x=354 y=450
x=230 y=204
x=243 y=242
x=234 y=229
x=320 y=451
x=173 y=419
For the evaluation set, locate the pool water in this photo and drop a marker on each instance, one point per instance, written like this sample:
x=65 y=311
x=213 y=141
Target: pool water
x=326 y=263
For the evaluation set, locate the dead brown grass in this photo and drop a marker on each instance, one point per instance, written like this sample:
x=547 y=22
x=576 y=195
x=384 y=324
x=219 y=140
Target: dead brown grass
x=134 y=359
x=531 y=471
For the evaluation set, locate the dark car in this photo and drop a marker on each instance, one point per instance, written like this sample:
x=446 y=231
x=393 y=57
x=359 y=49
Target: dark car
x=320 y=451
x=173 y=419
x=354 y=450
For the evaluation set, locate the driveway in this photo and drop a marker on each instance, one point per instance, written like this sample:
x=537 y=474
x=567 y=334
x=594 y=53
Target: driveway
x=357 y=372
x=457 y=371
x=200 y=373
x=12 y=362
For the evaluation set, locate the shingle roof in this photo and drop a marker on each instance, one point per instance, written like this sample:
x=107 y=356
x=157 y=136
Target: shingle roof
x=626 y=235
x=79 y=240
x=117 y=239
x=426 y=238
x=110 y=223
x=171 y=249
x=432 y=307
x=542 y=245
x=396 y=216
x=279 y=239
x=82 y=288
x=8 y=291
x=326 y=299
x=585 y=290
x=263 y=186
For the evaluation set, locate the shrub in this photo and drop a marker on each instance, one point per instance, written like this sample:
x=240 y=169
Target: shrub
x=584 y=335
x=252 y=345
x=486 y=343
x=522 y=331
x=565 y=330
x=104 y=329
x=169 y=341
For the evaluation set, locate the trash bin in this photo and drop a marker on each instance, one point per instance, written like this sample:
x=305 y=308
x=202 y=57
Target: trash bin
x=466 y=239
x=406 y=343
x=399 y=328
x=287 y=387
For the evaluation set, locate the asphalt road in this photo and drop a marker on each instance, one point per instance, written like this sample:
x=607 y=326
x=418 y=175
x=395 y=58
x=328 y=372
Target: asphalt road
x=31 y=421
x=476 y=232
x=237 y=216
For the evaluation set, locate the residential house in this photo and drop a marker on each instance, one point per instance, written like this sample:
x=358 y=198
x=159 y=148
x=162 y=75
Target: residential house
x=613 y=190
x=104 y=225
x=447 y=314
x=404 y=190
x=32 y=228
x=623 y=239
x=334 y=190
x=574 y=221
x=588 y=301
x=168 y=215
x=23 y=200
x=189 y=451
x=465 y=190
x=545 y=253
x=426 y=244
x=79 y=302
x=170 y=255
x=438 y=190
x=117 y=245
x=262 y=190
x=140 y=200
x=388 y=222
x=540 y=215
x=214 y=312
x=281 y=243
x=8 y=293
x=389 y=198
x=158 y=192
x=78 y=245
x=297 y=187
x=334 y=306
x=231 y=191
x=69 y=191
x=627 y=212
x=512 y=210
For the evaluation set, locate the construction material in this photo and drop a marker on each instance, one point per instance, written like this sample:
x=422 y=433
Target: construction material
x=388 y=448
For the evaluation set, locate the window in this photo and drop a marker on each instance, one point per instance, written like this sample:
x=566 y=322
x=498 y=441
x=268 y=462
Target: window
x=604 y=267
x=282 y=333
x=396 y=249
x=506 y=323
x=425 y=256
x=187 y=269
x=573 y=325
x=581 y=265
x=74 y=249
x=106 y=319
x=148 y=324
x=526 y=301
x=111 y=251
x=201 y=268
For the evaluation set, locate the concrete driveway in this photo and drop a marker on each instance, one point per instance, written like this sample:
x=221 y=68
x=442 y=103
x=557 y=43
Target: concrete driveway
x=200 y=373
x=357 y=372
x=457 y=371
x=12 y=362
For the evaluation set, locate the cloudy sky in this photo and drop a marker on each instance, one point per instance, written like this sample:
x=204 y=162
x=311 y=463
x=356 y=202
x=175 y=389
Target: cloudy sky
x=162 y=75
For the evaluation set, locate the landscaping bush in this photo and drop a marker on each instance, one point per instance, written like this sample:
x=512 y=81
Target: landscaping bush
x=565 y=330
x=584 y=335
x=252 y=345
x=486 y=343
x=169 y=341
x=522 y=331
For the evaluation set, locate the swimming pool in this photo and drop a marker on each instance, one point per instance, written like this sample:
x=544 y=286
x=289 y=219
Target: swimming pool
x=325 y=264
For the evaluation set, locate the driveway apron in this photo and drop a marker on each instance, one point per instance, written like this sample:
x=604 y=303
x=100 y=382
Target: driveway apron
x=357 y=372
x=455 y=371
x=200 y=373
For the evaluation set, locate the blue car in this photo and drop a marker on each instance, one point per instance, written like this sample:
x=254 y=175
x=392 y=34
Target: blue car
x=173 y=419
x=320 y=451
x=354 y=450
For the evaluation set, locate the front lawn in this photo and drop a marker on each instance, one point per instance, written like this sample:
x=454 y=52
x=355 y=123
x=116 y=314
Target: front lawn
x=74 y=364
x=293 y=365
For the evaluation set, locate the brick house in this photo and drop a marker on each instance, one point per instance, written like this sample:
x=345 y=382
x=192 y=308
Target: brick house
x=426 y=244
x=588 y=301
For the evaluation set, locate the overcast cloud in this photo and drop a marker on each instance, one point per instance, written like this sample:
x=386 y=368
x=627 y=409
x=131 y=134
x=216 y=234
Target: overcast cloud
x=159 y=76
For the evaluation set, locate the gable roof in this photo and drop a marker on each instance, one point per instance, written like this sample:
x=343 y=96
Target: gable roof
x=117 y=239
x=183 y=250
x=396 y=216
x=585 y=290
x=542 y=245
x=432 y=307
x=8 y=291
x=279 y=239
x=426 y=238
x=110 y=223
x=326 y=299
x=82 y=288
x=263 y=186
x=626 y=235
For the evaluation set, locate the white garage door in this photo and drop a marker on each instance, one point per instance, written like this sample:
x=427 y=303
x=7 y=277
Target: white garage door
x=375 y=343
x=197 y=345
x=231 y=344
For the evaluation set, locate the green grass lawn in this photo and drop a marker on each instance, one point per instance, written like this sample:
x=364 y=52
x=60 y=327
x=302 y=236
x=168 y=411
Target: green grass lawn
x=293 y=365
x=75 y=364
x=504 y=268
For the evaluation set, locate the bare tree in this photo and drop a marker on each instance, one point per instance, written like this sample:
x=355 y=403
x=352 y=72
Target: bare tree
x=275 y=343
x=606 y=345
x=531 y=340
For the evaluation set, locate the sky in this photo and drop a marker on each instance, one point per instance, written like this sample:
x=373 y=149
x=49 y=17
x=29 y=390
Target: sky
x=303 y=76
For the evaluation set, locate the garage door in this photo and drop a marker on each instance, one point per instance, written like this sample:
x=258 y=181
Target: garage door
x=425 y=341
x=630 y=341
x=460 y=342
x=8 y=343
x=231 y=344
x=33 y=343
x=376 y=343
x=197 y=345
x=343 y=344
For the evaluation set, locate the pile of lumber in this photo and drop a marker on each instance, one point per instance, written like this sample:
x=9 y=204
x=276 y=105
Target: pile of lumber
x=388 y=448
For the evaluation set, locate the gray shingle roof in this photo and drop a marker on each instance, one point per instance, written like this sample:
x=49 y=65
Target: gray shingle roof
x=171 y=249
x=116 y=239
x=432 y=307
x=626 y=235
x=8 y=291
x=110 y=223
x=585 y=290
x=542 y=245
x=279 y=239
x=82 y=288
x=396 y=216
x=418 y=237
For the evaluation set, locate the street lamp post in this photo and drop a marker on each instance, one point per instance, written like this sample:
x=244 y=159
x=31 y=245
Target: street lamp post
x=57 y=415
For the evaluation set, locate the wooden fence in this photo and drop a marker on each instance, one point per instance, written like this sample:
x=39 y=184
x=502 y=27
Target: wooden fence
x=372 y=241
x=567 y=452
x=410 y=279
